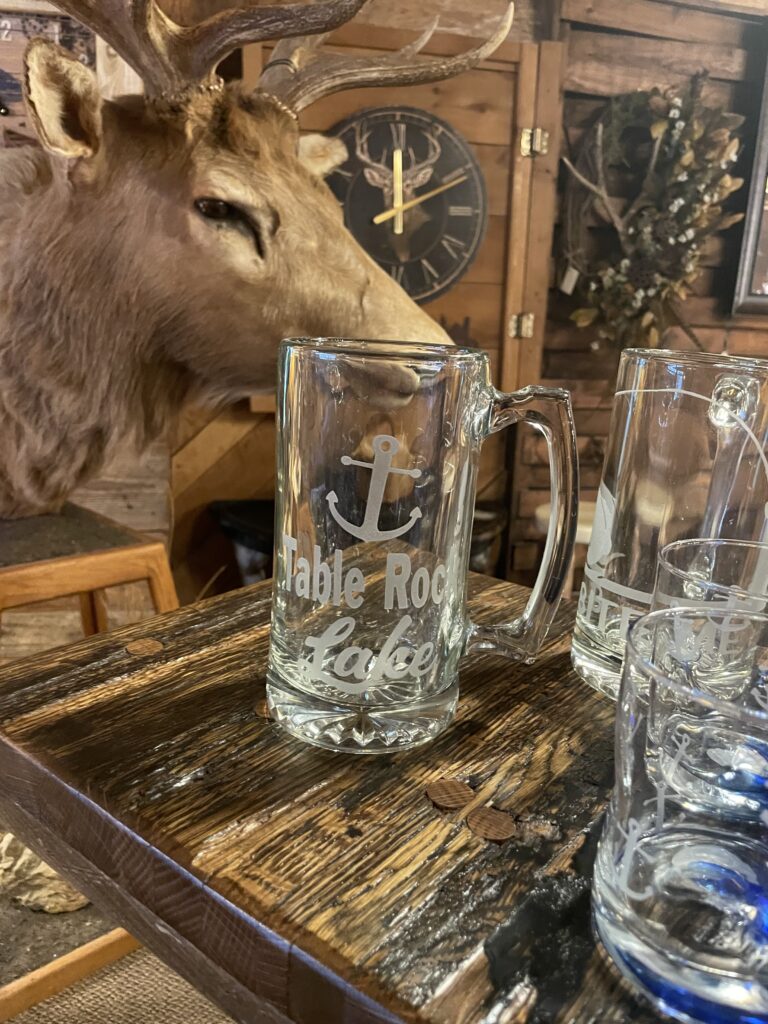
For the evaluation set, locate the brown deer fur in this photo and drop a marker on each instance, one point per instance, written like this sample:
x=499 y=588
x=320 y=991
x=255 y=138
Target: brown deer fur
x=119 y=301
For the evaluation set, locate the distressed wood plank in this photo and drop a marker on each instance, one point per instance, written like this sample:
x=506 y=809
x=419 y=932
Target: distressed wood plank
x=478 y=104
x=659 y=56
x=664 y=20
x=286 y=882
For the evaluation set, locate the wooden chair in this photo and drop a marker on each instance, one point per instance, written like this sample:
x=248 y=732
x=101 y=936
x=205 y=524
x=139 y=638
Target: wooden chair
x=79 y=552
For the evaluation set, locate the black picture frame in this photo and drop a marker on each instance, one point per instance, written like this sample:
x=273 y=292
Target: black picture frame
x=747 y=300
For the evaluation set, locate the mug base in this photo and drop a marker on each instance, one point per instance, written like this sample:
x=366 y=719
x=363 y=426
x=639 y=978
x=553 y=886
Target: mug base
x=363 y=730
x=601 y=669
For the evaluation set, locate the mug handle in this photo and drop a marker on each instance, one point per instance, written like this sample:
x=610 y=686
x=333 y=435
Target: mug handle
x=549 y=411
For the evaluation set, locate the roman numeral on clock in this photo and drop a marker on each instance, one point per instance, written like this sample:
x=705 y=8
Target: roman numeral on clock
x=430 y=274
x=397 y=273
x=454 y=246
x=460 y=211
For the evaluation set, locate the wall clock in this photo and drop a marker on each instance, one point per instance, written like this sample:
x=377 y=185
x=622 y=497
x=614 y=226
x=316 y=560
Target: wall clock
x=413 y=196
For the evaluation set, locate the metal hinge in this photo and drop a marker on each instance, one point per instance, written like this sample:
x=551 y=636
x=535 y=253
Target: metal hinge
x=533 y=141
x=521 y=325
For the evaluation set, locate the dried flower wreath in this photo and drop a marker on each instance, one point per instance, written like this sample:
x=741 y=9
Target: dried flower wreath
x=672 y=156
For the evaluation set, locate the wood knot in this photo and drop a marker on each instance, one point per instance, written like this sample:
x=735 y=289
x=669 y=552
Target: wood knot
x=144 y=647
x=490 y=823
x=449 y=794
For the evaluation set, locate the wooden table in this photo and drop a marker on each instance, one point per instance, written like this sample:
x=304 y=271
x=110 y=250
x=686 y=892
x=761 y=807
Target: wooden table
x=292 y=884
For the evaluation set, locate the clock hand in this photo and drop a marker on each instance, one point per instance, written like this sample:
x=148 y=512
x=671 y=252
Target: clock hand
x=380 y=218
x=397 y=174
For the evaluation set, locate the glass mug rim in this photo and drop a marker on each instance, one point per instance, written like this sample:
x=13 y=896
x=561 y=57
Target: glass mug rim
x=690 y=693
x=387 y=349
x=722 y=359
x=696 y=543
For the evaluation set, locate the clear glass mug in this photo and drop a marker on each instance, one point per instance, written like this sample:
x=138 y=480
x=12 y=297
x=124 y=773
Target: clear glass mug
x=686 y=458
x=680 y=892
x=378 y=446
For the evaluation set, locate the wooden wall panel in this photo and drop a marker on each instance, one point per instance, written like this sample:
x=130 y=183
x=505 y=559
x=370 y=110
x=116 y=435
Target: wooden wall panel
x=615 y=47
x=223 y=456
x=478 y=104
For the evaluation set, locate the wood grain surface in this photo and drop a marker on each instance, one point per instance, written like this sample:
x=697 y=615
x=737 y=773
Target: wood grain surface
x=292 y=884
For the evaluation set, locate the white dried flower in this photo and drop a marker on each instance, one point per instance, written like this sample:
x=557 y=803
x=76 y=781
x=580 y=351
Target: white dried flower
x=682 y=177
x=679 y=125
x=690 y=234
x=674 y=113
x=594 y=345
x=624 y=265
x=651 y=292
x=671 y=240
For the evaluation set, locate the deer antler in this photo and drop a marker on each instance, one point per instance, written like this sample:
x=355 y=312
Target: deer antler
x=170 y=57
x=299 y=74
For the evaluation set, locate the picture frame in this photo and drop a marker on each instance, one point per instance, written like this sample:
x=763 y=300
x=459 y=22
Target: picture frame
x=20 y=20
x=751 y=296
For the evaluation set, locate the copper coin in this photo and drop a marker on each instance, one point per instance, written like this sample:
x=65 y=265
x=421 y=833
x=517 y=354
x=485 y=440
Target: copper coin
x=144 y=646
x=490 y=823
x=449 y=794
x=262 y=708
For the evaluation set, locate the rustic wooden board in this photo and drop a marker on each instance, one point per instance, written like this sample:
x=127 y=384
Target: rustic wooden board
x=618 y=47
x=458 y=100
x=605 y=65
x=664 y=20
x=222 y=459
x=289 y=883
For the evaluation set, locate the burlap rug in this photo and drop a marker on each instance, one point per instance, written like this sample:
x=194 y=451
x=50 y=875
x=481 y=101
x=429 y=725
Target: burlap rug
x=139 y=989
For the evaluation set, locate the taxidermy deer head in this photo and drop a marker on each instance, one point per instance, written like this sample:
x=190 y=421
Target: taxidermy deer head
x=159 y=247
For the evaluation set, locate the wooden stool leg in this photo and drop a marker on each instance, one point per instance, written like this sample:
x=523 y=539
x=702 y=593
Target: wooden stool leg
x=93 y=613
x=161 y=584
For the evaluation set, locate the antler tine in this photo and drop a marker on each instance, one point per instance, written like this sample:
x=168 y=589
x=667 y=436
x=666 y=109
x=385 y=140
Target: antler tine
x=200 y=48
x=169 y=56
x=134 y=28
x=314 y=75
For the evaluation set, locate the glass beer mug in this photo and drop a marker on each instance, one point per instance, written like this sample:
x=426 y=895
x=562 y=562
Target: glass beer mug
x=687 y=457
x=378 y=446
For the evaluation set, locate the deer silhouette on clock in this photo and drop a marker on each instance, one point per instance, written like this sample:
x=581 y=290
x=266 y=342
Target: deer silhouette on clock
x=413 y=195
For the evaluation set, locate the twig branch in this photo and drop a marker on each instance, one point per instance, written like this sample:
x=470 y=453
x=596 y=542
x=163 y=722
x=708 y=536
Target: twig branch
x=601 y=188
x=616 y=220
x=580 y=178
x=685 y=326
x=638 y=201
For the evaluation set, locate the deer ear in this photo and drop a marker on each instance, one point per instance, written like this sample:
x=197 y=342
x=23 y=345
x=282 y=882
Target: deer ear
x=321 y=154
x=62 y=99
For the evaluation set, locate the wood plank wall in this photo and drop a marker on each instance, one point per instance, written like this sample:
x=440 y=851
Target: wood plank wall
x=230 y=455
x=613 y=48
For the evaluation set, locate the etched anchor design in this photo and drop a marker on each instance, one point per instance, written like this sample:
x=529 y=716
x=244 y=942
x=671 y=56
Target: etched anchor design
x=385 y=448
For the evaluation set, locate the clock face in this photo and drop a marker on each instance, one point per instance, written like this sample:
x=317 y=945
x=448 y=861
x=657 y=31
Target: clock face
x=401 y=157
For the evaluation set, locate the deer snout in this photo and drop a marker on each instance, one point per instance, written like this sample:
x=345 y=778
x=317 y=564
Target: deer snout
x=381 y=383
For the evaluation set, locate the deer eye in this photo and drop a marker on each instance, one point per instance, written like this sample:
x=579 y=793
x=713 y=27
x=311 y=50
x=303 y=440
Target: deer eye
x=216 y=209
x=226 y=213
